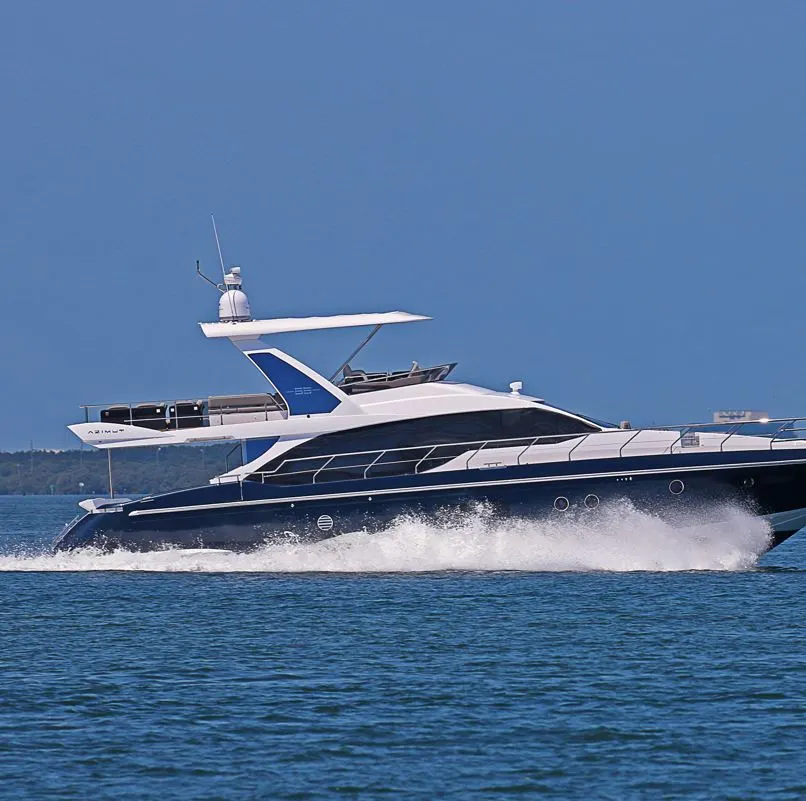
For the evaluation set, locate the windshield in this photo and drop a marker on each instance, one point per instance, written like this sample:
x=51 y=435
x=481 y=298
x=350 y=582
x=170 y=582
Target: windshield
x=600 y=423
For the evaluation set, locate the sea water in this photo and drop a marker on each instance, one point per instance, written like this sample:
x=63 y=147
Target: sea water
x=611 y=656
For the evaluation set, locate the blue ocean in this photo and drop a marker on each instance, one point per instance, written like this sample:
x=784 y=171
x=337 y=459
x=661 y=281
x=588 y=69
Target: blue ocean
x=626 y=659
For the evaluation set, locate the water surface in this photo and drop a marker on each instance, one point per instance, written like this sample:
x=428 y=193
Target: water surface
x=629 y=660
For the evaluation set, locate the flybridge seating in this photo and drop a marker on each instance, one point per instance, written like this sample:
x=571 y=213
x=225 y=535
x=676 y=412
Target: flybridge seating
x=357 y=381
x=228 y=409
x=217 y=410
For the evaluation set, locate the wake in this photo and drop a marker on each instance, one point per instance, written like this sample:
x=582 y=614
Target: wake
x=618 y=539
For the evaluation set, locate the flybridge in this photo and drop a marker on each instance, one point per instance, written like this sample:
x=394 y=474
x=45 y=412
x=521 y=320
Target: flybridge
x=297 y=391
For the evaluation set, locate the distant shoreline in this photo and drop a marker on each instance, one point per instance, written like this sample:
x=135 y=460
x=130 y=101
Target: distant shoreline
x=136 y=471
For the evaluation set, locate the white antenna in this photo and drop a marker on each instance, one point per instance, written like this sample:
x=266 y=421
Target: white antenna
x=218 y=245
x=223 y=269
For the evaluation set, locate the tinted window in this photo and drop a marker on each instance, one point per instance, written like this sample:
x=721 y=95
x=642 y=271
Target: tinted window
x=421 y=433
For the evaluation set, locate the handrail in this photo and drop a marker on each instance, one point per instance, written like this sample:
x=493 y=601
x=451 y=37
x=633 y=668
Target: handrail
x=781 y=428
x=732 y=431
x=161 y=401
x=683 y=433
x=323 y=467
x=374 y=456
x=624 y=445
x=532 y=442
x=417 y=466
x=577 y=445
x=479 y=450
x=373 y=463
x=209 y=408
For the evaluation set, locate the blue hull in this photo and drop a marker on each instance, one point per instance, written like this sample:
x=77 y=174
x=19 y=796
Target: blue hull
x=243 y=516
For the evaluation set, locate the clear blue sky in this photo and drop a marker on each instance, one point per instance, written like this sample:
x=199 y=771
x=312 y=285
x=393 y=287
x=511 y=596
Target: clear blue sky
x=605 y=200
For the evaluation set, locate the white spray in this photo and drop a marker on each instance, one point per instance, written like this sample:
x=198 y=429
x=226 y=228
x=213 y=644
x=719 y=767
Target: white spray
x=619 y=539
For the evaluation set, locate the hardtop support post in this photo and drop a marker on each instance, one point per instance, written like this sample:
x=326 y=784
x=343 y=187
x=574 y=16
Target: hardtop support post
x=356 y=352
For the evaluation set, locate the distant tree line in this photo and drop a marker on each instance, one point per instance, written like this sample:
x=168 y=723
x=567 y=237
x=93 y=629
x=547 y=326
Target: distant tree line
x=134 y=471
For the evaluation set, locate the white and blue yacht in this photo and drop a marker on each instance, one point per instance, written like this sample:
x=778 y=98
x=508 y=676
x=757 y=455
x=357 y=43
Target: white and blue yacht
x=327 y=456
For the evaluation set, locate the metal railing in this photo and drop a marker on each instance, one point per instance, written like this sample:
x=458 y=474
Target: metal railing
x=782 y=426
x=180 y=414
x=419 y=456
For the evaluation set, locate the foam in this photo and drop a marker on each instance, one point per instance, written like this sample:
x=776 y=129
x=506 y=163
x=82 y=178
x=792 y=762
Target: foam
x=620 y=538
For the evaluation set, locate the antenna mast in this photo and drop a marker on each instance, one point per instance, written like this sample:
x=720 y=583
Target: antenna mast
x=218 y=245
x=221 y=259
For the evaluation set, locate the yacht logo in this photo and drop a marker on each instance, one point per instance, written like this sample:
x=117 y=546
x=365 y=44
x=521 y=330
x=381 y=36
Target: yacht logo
x=97 y=431
x=325 y=523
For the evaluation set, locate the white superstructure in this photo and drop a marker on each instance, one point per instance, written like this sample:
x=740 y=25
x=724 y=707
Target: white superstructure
x=302 y=404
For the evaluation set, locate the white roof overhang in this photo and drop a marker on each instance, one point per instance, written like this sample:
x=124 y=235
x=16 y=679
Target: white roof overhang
x=286 y=325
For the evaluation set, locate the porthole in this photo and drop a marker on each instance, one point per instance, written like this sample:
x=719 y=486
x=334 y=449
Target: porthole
x=561 y=503
x=591 y=501
x=748 y=482
x=676 y=486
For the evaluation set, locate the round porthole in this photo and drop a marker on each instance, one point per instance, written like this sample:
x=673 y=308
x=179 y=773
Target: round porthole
x=676 y=486
x=748 y=482
x=561 y=503
x=591 y=501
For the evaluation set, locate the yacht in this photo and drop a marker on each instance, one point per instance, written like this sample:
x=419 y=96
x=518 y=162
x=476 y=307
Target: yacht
x=324 y=456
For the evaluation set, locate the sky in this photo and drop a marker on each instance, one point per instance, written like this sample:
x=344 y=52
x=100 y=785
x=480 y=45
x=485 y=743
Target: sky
x=604 y=200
